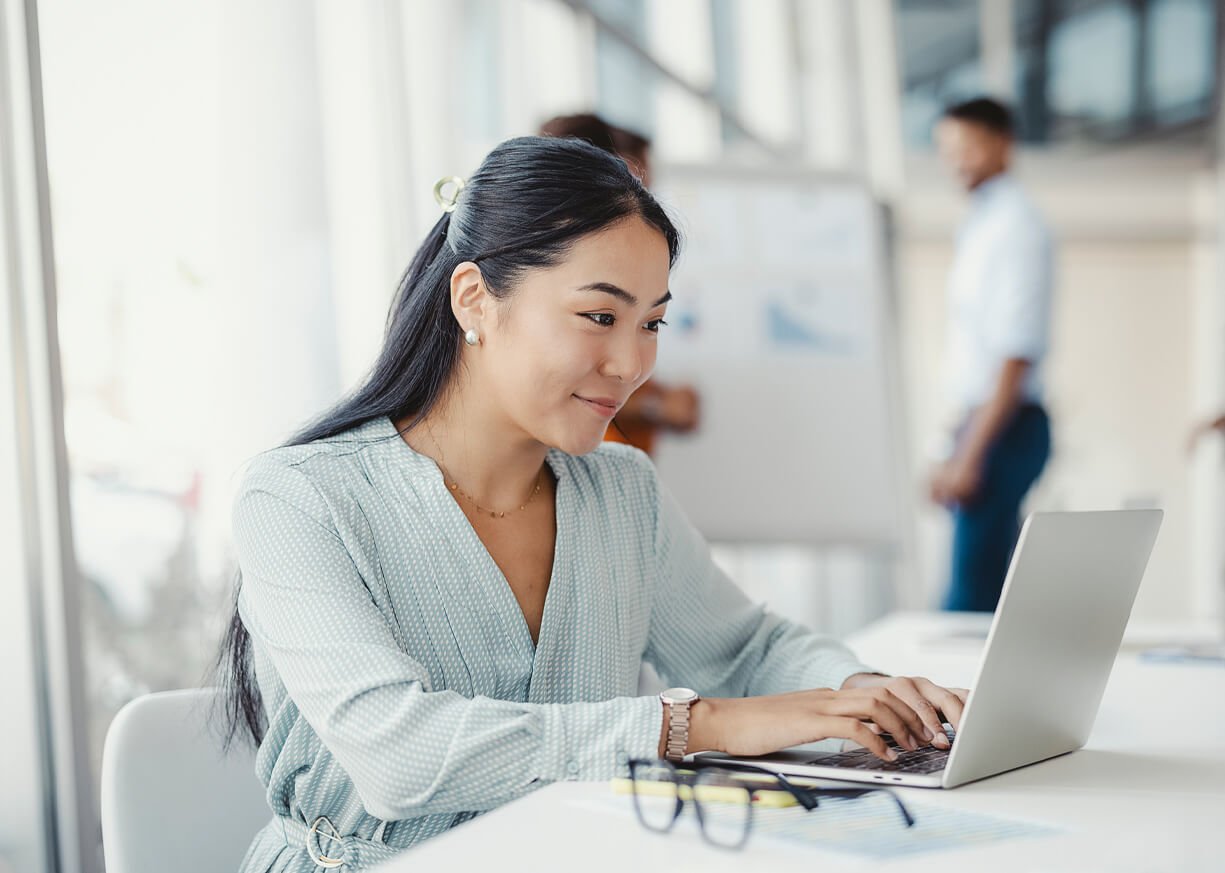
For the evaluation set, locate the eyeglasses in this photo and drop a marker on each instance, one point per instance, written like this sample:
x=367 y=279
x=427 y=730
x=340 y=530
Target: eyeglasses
x=723 y=796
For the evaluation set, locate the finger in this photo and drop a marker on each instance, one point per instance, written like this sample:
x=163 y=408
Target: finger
x=905 y=698
x=950 y=705
x=877 y=717
x=855 y=730
x=887 y=718
x=913 y=694
x=887 y=710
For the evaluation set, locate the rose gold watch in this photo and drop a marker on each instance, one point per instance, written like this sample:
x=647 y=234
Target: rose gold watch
x=678 y=701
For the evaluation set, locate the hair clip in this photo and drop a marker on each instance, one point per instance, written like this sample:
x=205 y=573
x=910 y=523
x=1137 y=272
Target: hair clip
x=448 y=202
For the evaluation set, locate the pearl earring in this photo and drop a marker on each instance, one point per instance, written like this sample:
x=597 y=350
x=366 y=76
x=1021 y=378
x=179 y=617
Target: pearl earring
x=471 y=337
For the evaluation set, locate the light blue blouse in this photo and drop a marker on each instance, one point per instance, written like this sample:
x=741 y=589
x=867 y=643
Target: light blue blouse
x=401 y=687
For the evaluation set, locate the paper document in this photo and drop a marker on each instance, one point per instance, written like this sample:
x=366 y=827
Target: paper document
x=868 y=827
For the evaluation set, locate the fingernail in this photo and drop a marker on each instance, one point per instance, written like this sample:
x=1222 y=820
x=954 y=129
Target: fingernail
x=892 y=755
x=928 y=735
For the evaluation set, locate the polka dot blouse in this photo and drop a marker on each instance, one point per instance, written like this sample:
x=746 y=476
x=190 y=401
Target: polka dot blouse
x=402 y=689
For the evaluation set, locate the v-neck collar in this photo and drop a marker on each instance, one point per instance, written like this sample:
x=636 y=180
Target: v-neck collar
x=471 y=546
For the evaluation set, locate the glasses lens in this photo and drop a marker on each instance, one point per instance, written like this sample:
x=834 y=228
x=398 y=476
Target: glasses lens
x=655 y=797
x=726 y=807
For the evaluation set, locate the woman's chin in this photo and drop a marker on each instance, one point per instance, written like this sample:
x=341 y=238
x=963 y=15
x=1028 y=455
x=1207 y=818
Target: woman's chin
x=579 y=443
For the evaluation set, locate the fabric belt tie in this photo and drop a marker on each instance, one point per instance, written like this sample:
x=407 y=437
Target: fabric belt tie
x=329 y=849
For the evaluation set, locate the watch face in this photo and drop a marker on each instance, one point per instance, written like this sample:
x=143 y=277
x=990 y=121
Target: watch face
x=679 y=695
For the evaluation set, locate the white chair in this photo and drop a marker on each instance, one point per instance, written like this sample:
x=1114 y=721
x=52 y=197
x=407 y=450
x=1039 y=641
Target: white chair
x=171 y=799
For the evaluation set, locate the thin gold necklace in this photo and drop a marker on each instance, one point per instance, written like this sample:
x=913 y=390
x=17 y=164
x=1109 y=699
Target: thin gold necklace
x=454 y=486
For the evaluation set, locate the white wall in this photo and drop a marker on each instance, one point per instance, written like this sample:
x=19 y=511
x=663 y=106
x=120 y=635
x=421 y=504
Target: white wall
x=1135 y=251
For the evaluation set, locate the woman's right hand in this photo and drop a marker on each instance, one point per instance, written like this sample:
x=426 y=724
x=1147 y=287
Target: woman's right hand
x=761 y=725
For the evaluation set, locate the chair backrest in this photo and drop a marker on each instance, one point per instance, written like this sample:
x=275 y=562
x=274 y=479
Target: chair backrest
x=171 y=798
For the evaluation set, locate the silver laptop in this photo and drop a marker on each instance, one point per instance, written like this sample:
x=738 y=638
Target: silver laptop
x=1053 y=640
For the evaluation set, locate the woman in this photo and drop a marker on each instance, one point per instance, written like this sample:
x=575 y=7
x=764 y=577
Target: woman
x=448 y=584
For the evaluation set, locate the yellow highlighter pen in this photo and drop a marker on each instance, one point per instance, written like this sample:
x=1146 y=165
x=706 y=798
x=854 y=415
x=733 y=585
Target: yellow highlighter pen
x=722 y=787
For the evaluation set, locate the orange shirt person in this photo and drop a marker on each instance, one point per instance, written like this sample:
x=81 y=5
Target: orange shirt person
x=655 y=406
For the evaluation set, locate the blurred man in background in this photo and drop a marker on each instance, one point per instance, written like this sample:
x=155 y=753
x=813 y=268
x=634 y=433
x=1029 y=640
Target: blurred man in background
x=999 y=305
x=654 y=407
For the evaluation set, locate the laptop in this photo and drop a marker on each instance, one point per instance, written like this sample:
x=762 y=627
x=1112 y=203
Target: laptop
x=1052 y=643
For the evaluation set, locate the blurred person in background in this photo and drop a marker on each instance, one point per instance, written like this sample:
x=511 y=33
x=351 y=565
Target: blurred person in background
x=635 y=150
x=656 y=406
x=999 y=309
x=1204 y=428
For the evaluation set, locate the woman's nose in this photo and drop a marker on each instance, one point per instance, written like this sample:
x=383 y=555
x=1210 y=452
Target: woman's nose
x=624 y=360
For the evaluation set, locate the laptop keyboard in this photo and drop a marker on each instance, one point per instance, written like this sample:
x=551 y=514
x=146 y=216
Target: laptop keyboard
x=926 y=759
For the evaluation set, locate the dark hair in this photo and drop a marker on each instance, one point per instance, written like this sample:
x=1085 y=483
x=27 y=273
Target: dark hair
x=528 y=203
x=983 y=111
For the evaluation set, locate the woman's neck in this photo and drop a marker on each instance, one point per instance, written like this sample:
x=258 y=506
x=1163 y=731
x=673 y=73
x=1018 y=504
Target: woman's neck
x=480 y=451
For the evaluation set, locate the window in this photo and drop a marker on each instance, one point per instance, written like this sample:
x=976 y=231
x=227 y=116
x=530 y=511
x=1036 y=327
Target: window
x=623 y=82
x=723 y=39
x=132 y=154
x=939 y=61
x=1096 y=70
x=1115 y=69
x=1180 y=71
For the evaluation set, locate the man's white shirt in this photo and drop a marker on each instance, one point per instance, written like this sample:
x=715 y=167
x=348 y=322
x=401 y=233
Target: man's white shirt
x=999 y=297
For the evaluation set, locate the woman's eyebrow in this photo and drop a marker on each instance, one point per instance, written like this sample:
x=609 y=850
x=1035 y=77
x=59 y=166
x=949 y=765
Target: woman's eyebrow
x=621 y=294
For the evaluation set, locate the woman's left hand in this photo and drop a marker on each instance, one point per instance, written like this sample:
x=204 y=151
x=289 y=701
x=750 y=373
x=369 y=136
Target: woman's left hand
x=933 y=703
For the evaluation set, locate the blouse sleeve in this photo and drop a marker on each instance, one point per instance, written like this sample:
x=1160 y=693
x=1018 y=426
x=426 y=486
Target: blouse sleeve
x=409 y=750
x=706 y=634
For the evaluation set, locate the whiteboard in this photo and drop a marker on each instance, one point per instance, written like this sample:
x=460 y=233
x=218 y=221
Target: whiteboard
x=781 y=319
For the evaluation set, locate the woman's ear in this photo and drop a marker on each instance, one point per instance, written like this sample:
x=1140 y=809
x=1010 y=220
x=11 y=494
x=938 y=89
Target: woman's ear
x=469 y=301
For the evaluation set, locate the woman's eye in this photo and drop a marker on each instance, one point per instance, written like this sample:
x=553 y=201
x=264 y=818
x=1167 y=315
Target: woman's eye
x=607 y=319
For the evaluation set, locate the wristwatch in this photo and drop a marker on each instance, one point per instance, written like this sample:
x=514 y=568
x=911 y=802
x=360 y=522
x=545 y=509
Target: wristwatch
x=677 y=701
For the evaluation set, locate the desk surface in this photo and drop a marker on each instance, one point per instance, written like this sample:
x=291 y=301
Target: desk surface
x=1147 y=793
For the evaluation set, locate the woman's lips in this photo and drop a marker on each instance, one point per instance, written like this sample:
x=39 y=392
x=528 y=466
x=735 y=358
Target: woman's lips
x=601 y=406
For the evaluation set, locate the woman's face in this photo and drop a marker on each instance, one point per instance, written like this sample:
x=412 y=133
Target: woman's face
x=572 y=342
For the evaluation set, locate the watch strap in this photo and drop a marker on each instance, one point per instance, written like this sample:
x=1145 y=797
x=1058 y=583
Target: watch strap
x=678 y=705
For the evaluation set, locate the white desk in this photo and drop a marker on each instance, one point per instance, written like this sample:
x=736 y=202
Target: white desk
x=1147 y=793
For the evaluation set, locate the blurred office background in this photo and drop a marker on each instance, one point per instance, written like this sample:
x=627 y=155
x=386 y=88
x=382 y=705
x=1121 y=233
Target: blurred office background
x=231 y=190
